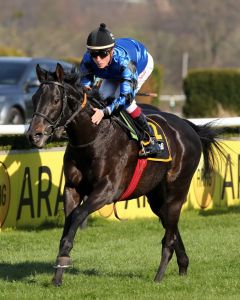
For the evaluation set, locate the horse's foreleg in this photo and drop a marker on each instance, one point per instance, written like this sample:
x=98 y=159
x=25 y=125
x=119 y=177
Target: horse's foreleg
x=96 y=200
x=72 y=197
x=71 y=201
x=63 y=260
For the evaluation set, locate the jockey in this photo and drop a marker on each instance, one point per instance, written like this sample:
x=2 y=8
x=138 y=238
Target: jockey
x=124 y=65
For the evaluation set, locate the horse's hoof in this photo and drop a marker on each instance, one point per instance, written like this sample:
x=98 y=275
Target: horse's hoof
x=56 y=282
x=183 y=272
x=157 y=280
x=159 y=276
x=57 y=279
x=62 y=262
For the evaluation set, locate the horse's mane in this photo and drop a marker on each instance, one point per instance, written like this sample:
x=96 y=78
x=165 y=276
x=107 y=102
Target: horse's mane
x=95 y=94
x=73 y=76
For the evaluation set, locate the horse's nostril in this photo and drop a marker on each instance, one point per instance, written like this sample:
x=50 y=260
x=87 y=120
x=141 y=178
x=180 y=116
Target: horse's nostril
x=35 y=138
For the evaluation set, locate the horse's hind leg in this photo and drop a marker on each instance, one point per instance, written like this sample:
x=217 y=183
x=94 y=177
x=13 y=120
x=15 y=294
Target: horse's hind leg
x=168 y=212
x=157 y=201
x=182 y=258
x=171 y=215
x=178 y=247
x=96 y=200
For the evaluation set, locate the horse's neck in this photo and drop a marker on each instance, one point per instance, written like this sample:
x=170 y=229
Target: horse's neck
x=83 y=131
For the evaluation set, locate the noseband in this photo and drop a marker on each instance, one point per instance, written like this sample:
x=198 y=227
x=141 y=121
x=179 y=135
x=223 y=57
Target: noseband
x=56 y=124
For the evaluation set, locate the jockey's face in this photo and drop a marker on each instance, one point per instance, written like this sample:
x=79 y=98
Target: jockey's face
x=103 y=61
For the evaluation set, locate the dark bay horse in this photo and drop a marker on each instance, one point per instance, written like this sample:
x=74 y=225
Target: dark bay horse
x=100 y=160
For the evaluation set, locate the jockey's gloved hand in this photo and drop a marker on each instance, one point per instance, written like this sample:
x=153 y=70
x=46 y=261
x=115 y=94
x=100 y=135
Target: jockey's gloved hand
x=106 y=112
x=87 y=89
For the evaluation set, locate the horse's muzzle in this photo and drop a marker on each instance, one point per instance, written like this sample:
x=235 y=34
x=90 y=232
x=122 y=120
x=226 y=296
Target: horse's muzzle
x=37 y=139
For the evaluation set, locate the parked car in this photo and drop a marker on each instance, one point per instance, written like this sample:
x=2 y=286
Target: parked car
x=18 y=82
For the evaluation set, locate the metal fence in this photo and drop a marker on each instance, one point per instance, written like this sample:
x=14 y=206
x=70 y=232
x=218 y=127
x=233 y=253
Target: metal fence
x=216 y=122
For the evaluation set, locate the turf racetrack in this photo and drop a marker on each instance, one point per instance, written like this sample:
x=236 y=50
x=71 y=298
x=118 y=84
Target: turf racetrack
x=118 y=260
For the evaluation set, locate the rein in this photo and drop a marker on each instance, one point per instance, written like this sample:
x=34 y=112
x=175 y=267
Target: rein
x=82 y=145
x=55 y=124
x=114 y=118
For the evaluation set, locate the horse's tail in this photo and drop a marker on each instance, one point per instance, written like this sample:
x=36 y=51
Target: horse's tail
x=209 y=137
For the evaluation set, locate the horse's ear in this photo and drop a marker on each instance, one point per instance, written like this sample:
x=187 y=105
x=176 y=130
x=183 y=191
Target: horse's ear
x=59 y=72
x=41 y=73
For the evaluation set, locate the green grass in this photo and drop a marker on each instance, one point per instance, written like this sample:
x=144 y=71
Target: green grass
x=118 y=260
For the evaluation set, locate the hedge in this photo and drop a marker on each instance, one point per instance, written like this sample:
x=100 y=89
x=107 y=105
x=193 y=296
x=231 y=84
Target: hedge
x=210 y=91
x=8 y=51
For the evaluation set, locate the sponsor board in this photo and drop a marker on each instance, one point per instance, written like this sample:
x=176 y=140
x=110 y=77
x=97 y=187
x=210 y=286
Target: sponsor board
x=130 y=209
x=5 y=193
x=32 y=183
x=36 y=183
x=222 y=187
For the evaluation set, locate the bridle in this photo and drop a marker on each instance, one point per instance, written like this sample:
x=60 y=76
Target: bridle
x=56 y=124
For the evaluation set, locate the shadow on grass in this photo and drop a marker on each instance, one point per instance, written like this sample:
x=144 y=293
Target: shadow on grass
x=94 y=272
x=20 y=271
x=49 y=225
x=220 y=211
x=28 y=270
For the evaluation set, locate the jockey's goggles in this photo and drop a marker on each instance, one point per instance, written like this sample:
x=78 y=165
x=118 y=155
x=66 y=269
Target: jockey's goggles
x=101 y=53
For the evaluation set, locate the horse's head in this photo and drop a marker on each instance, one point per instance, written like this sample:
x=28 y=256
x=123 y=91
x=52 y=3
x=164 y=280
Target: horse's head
x=55 y=104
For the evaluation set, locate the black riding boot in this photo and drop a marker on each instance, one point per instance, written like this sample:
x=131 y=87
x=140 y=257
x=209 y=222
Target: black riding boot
x=149 y=144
